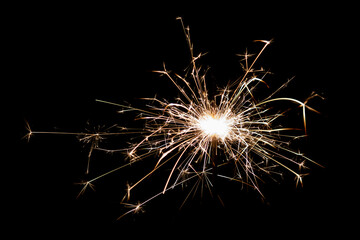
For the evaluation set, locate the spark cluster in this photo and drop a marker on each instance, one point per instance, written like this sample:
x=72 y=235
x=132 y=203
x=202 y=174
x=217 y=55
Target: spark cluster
x=199 y=136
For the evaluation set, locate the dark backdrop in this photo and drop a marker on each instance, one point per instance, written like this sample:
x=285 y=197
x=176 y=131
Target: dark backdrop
x=63 y=57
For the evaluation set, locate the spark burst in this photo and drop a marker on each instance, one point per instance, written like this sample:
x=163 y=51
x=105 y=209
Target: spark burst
x=202 y=137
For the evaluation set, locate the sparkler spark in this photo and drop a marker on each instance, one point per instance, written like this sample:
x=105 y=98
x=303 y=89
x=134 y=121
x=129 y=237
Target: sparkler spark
x=215 y=126
x=198 y=135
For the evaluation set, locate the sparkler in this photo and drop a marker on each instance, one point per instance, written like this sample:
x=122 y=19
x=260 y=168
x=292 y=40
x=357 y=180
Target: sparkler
x=232 y=136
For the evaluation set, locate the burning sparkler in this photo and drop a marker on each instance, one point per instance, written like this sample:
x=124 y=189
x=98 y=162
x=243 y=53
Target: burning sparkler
x=198 y=135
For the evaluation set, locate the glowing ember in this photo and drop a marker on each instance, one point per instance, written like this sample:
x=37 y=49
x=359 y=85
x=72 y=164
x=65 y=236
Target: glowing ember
x=214 y=126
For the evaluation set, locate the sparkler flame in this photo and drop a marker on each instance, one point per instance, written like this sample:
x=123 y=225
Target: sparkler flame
x=215 y=126
x=189 y=133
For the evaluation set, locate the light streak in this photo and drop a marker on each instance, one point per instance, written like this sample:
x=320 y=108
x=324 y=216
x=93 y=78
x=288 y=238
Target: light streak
x=197 y=135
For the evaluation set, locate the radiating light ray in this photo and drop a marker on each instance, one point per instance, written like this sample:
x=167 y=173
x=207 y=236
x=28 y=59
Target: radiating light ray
x=200 y=135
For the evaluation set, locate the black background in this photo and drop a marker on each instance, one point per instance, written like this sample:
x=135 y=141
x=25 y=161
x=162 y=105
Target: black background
x=63 y=57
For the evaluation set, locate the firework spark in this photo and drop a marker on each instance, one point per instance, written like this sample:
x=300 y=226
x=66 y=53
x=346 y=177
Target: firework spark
x=198 y=135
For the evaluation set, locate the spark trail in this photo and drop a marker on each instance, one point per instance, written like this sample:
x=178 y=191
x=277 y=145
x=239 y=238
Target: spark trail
x=199 y=138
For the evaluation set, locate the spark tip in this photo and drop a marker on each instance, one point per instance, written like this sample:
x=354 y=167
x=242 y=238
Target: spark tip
x=267 y=42
x=29 y=132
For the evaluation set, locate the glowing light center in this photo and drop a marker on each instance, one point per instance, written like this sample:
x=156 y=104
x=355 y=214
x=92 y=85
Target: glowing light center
x=215 y=126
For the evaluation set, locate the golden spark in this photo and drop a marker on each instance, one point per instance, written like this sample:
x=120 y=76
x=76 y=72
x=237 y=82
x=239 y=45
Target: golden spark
x=198 y=135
